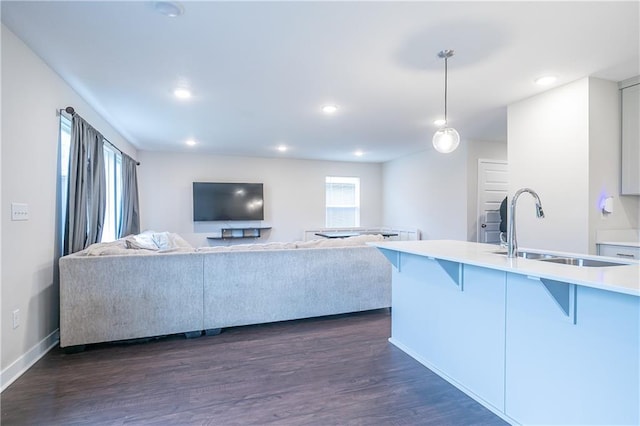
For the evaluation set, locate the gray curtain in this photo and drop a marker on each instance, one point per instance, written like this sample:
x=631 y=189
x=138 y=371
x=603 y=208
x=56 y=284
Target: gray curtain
x=129 y=216
x=86 y=188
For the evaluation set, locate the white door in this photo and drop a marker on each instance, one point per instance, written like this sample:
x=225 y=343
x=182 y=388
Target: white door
x=493 y=186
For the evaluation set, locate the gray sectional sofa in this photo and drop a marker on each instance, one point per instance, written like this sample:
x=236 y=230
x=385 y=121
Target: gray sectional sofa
x=153 y=293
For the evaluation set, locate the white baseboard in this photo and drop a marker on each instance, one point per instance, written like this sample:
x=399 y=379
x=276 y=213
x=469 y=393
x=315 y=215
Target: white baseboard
x=22 y=364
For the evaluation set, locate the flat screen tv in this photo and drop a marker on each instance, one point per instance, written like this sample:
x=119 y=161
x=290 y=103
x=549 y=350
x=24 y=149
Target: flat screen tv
x=221 y=201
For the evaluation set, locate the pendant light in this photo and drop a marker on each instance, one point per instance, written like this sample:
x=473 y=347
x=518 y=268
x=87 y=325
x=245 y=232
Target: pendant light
x=446 y=139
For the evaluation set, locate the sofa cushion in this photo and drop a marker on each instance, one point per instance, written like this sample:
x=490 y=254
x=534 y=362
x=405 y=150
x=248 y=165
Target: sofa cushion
x=148 y=242
x=249 y=247
x=359 y=240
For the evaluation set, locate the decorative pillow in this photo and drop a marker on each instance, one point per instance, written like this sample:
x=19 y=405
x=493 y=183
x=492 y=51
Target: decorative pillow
x=98 y=249
x=178 y=242
x=150 y=240
x=161 y=240
x=169 y=240
x=141 y=241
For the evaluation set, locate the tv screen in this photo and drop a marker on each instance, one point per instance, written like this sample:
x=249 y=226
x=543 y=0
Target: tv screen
x=227 y=201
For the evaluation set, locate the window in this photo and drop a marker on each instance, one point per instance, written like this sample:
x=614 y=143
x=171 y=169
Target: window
x=113 y=179
x=342 y=202
x=65 y=145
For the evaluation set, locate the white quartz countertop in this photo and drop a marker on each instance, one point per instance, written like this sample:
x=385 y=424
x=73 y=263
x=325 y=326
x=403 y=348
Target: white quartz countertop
x=621 y=279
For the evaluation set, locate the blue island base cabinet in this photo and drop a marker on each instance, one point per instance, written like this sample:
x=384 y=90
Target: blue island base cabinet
x=452 y=322
x=533 y=350
x=580 y=368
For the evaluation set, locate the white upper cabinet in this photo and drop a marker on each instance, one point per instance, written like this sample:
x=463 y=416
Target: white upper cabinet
x=631 y=140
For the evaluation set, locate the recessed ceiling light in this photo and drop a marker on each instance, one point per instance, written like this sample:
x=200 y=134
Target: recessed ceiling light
x=545 y=80
x=440 y=122
x=282 y=148
x=191 y=142
x=358 y=153
x=329 y=109
x=171 y=9
x=182 y=93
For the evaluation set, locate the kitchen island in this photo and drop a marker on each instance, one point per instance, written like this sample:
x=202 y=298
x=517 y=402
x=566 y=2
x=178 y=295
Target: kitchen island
x=536 y=342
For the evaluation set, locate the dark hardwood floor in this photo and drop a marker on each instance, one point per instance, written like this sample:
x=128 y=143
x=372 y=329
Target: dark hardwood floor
x=328 y=371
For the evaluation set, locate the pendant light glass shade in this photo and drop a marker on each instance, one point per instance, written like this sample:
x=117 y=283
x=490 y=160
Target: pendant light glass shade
x=446 y=140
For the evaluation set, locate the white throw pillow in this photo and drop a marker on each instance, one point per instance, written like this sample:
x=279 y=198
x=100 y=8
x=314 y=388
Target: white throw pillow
x=98 y=249
x=141 y=241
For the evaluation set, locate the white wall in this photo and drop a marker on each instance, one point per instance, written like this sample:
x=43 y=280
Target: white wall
x=549 y=152
x=565 y=144
x=31 y=94
x=294 y=192
x=428 y=191
x=476 y=150
x=604 y=162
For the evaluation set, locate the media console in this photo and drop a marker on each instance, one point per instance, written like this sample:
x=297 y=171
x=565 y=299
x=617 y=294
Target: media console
x=228 y=233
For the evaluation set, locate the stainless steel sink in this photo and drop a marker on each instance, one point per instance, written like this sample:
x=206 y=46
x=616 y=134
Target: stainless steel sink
x=564 y=260
x=528 y=255
x=535 y=256
x=577 y=261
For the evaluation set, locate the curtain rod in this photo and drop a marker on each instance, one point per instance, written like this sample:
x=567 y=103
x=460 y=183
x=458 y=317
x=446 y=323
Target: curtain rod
x=71 y=111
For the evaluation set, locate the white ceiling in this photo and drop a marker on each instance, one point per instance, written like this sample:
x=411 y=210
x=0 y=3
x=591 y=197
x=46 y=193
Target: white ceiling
x=260 y=71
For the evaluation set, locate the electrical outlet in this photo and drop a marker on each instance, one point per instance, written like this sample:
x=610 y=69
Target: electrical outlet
x=16 y=319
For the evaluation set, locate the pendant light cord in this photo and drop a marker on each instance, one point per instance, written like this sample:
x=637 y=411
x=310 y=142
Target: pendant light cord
x=446 y=123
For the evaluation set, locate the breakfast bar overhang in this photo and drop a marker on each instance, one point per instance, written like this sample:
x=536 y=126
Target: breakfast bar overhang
x=536 y=342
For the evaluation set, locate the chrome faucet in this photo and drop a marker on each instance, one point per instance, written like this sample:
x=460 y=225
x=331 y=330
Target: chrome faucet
x=512 y=242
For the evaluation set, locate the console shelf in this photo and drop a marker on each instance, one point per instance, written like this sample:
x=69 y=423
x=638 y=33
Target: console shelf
x=229 y=233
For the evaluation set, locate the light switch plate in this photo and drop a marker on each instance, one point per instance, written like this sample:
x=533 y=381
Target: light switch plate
x=19 y=211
